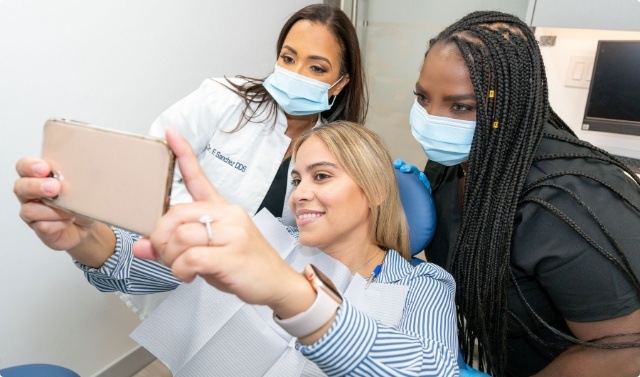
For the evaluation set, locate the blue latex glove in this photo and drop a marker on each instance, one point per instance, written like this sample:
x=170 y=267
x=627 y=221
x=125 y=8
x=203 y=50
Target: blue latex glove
x=409 y=168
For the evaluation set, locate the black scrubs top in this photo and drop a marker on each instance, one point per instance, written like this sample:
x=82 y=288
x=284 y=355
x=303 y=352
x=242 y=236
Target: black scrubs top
x=274 y=199
x=560 y=274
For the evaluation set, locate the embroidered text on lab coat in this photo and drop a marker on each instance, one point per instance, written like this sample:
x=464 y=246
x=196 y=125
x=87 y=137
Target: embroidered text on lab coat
x=216 y=153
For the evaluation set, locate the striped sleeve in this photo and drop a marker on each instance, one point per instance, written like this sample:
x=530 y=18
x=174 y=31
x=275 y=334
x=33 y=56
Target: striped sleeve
x=125 y=273
x=424 y=344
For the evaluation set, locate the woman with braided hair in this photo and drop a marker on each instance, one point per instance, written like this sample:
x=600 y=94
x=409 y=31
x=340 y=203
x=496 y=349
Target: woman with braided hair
x=540 y=230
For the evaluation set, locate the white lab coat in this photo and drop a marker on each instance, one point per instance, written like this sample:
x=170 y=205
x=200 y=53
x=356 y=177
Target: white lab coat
x=240 y=164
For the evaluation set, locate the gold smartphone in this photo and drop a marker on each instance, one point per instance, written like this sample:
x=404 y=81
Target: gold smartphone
x=115 y=177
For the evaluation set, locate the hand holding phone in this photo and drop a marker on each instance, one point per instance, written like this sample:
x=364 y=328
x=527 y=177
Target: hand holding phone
x=114 y=177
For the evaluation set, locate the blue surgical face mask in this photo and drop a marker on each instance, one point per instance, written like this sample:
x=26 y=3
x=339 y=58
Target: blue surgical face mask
x=297 y=94
x=444 y=140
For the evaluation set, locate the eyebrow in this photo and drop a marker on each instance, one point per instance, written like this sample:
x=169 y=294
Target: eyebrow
x=315 y=166
x=314 y=57
x=460 y=97
x=449 y=98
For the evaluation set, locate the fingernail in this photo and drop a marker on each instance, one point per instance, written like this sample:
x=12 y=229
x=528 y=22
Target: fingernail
x=40 y=169
x=48 y=186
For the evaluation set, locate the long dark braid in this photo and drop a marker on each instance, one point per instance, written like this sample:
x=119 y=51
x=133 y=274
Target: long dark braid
x=509 y=80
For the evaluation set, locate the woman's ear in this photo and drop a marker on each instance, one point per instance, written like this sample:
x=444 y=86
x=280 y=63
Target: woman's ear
x=377 y=200
x=340 y=85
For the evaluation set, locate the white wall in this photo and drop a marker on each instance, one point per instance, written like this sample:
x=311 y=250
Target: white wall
x=569 y=102
x=118 y=64
x=580 y=14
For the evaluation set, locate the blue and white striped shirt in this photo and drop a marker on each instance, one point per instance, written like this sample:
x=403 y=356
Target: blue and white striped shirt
x=425 y=342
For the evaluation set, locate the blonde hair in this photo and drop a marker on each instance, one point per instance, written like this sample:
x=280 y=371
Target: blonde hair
x=365 y=157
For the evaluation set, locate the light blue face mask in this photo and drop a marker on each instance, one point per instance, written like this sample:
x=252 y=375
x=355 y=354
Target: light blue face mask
x=444 y=140
x=297 y=94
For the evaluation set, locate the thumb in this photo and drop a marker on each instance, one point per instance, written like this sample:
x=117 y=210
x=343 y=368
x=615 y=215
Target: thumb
x=194 y=178
x=142 y=249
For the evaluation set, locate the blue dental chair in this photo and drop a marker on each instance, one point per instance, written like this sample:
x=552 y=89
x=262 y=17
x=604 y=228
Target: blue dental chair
x=415 y=195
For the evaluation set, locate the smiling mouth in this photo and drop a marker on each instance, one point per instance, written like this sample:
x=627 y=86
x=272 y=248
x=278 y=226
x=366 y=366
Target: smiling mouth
x=310 y=216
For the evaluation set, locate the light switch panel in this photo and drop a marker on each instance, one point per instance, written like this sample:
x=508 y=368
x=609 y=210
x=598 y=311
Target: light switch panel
x=579 y=72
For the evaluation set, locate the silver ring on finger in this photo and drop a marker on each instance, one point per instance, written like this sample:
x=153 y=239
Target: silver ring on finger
x=206 y=220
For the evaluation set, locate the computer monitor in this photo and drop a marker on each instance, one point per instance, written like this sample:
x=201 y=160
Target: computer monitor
x=613 y=104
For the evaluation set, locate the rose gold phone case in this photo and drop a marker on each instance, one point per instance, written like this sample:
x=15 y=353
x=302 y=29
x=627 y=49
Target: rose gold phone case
x=115 y=177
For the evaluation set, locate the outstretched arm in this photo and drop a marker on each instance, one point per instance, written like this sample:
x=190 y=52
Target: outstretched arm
x=237 y=259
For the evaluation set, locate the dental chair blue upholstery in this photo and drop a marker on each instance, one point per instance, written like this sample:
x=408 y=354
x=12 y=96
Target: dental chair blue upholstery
x=37 y=370
x=415 y=194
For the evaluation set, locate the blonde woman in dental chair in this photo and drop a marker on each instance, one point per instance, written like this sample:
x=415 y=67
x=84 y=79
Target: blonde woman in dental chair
x=347 y=209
